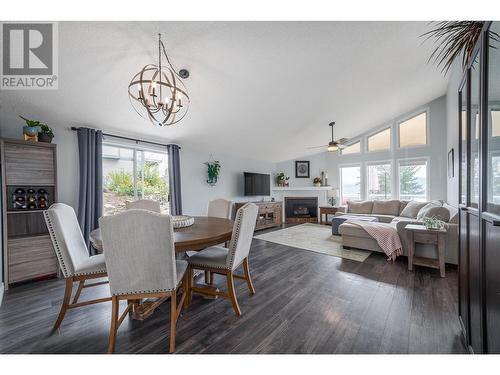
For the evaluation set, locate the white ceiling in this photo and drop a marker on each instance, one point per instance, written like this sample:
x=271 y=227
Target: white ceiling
x=264 y=90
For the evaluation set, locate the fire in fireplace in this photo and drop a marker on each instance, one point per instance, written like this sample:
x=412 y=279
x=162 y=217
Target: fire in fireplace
x=301 y=210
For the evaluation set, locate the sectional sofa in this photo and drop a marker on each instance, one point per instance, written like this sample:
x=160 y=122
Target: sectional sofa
x=398 y=214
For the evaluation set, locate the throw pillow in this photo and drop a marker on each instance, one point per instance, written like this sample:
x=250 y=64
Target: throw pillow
x=412 y=209
x=386 y=207
x=440 y=213
x=361 y=207
x=423 y=211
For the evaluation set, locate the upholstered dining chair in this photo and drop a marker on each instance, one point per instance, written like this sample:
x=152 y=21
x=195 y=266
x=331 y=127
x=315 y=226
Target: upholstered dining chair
x=74 y=259
x=219 y=208
x=140 y=256
x=143 y=204
x=225 y=261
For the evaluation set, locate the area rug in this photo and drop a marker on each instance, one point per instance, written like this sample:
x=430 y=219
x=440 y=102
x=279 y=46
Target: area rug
x=314 y=237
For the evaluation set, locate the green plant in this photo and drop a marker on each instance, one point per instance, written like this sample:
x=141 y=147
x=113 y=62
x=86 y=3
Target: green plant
x=213 y=170
x=453 y=38
x=433 y=223
x=281 y=178
x=43 y=127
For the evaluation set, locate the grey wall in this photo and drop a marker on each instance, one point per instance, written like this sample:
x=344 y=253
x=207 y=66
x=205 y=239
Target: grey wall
x=435 y=151
x=196 y=192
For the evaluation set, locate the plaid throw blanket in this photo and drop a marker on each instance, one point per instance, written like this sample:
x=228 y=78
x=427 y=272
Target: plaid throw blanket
x=386 y=236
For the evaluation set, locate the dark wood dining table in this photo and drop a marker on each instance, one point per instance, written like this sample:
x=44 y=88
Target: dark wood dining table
x=205 y=232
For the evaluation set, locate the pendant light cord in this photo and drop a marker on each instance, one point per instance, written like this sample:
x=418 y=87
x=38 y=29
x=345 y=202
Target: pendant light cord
x=161 y=47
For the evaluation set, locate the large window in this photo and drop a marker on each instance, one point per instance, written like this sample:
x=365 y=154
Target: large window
x=131 y=173
x=413 y=180
x=379 y=181
x=355 y=148
x=380 y=141
x=413 y=132
x=350 y=189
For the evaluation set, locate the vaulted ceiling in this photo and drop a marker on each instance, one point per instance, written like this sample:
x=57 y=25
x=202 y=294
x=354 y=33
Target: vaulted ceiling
x=264 y=90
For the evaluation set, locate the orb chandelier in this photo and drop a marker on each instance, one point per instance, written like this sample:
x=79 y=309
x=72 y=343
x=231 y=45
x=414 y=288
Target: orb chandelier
x=157 y=92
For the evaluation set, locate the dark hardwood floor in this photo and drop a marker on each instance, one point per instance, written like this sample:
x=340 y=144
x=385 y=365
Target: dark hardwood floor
x=305 y=303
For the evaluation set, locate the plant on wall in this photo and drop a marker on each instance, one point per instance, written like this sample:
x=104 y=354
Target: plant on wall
x=453 y=38
x=213 y=170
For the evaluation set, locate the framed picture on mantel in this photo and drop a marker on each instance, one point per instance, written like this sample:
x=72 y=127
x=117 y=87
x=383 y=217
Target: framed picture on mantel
x=302 y=169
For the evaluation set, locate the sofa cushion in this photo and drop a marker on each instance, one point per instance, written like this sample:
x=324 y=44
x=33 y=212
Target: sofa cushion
x=360 y=207
x=390 y=207
x=424 y=210
x=440 y=213
x=453 y=213
x=412 y=208
x=402 y=205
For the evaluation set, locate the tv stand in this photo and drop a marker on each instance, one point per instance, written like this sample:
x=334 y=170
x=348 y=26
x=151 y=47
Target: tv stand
x=269 y=214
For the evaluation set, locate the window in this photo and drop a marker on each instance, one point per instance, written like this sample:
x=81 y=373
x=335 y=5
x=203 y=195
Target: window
x=130 y=173
x=495 y=123
x=413 y=180
x=413 y=132
x=379 y=181
x=355 y=148
x=350 y=183
x=380 y=141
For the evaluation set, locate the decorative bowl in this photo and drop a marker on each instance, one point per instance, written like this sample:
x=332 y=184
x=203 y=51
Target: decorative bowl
x=182 y=221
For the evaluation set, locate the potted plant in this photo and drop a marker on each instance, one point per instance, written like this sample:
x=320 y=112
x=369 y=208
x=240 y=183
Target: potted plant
x=213 y=170
x=281 y=179
x=433 y=223
x=34 y=127
x=317 y=181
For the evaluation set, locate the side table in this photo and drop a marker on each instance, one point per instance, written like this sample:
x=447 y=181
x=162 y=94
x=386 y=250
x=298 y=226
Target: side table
x=420 y=234
x=326 y=210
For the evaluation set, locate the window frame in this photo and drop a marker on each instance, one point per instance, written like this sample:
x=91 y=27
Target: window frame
x=375 y=132
x=380 y=162
x=409 y=116
x=427 y=174
x=351 y=144
x=361 y=179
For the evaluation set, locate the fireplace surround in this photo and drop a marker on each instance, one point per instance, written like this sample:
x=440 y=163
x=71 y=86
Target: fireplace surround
x=301 y=210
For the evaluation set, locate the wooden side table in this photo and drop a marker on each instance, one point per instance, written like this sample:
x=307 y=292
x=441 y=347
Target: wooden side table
x=420 y=234
x=326 y=210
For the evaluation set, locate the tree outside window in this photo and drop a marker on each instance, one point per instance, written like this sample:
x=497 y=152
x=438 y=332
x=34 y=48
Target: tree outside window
x=413 y=180
x=379 y=181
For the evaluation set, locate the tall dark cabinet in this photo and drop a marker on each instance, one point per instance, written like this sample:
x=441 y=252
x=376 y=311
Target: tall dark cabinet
x=479 y=175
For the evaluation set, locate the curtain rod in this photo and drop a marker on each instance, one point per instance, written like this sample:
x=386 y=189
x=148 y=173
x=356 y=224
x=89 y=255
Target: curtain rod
x=127 y=138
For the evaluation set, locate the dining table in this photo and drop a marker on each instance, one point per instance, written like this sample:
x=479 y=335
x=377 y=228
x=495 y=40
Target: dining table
x=203 y=233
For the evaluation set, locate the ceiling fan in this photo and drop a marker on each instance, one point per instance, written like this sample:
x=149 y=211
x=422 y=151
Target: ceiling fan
x=333 y=145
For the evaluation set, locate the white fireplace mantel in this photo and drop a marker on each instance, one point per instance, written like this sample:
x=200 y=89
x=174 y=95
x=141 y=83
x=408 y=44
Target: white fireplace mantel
x=302 y=188
x=321 y=192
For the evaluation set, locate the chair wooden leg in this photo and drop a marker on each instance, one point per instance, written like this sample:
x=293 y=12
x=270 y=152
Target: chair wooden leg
x=185 y=288
x=212 y=277
x=232 y=293
x=65 y=303
x=173 y=320
x=114 y=324
x=78 y=291
x=207 y=277
x=246 y=269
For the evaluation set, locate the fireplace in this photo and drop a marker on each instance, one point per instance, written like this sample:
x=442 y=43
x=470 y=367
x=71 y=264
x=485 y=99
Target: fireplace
x=301 y=210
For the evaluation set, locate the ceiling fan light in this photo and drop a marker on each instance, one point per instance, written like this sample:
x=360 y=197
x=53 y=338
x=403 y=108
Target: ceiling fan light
x=333 y=148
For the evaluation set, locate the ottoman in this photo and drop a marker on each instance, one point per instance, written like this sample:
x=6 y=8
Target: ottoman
x=337 y=220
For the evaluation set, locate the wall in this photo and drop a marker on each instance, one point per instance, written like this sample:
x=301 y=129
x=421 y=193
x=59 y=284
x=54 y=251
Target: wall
x=434 y=151
x=196 y=192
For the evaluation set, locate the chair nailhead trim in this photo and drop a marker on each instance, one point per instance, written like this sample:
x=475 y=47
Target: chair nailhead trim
x=52 y=233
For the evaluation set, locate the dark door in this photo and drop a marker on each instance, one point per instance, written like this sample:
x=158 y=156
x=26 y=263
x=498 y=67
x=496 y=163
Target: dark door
x=491 y=192
x=463 y=286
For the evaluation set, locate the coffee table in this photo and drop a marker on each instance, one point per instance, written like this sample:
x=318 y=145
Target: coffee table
x=338 y=220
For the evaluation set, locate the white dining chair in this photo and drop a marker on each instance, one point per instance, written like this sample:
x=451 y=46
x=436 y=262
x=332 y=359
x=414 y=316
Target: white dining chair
x=225 y=261
x=73 y=255
x=140 y=257
x=143 y=204
x=219 y=208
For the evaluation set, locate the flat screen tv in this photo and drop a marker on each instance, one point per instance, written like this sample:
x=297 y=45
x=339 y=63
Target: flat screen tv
x=257 y=184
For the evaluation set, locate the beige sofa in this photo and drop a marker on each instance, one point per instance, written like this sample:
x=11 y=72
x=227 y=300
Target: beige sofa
x=398 y=214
